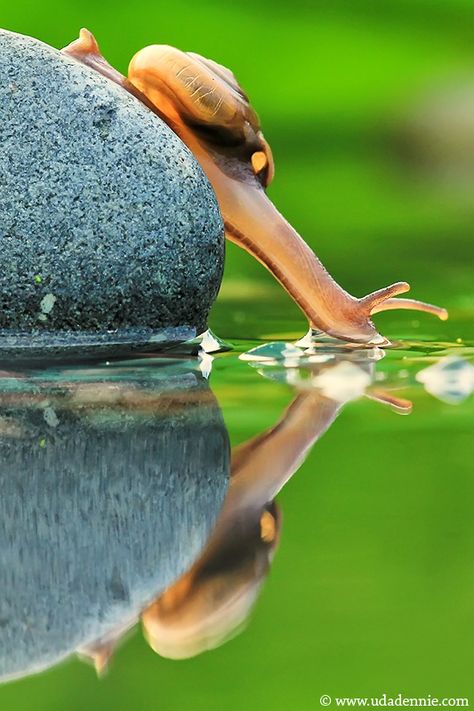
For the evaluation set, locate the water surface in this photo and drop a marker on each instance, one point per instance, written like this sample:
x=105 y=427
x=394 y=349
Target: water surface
x=316 y=500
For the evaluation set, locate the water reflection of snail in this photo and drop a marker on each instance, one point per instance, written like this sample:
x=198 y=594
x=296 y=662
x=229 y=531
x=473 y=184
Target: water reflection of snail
x=211 y=601
x=203 y=103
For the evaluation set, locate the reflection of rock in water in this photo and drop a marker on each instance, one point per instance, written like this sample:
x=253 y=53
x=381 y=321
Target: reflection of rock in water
x=108 y=493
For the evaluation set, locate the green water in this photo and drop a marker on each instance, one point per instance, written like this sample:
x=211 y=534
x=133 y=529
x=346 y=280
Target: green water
x=370 y=590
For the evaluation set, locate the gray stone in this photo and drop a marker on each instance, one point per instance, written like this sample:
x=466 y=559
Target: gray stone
x=107 y=221
x=110 y=487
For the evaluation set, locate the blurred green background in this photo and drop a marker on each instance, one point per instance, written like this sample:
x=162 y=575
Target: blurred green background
x=372 y=589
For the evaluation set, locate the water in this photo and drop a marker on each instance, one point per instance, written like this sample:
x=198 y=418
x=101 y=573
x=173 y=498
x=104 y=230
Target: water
x=307 y=511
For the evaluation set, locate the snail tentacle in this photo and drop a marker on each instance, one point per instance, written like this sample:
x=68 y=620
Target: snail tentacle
x=376 y=298
x=412 y=304
x=398 y=404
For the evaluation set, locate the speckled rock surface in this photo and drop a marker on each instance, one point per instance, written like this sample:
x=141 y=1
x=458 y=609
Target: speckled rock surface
x=109 y=492
x=106 y=219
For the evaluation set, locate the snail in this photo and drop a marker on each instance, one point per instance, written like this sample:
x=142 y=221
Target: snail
x=212 y=600
x=204 y=105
